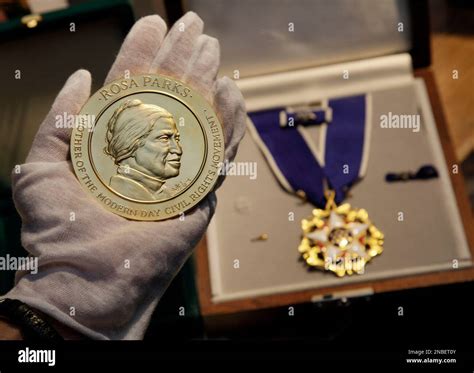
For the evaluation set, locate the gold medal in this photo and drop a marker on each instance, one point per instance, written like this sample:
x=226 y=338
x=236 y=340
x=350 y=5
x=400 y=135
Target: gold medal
x=339 y=239
x=148 y=147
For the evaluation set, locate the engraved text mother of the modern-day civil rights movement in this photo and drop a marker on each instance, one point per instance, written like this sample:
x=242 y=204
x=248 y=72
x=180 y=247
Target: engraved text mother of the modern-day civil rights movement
x=145 y=81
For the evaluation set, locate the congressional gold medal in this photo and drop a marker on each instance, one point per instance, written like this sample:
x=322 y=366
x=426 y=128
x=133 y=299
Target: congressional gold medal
x=148 y=147
x=339 y=239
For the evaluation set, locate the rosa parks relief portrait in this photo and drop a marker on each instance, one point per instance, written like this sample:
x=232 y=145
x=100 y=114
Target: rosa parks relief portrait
x=143 y=141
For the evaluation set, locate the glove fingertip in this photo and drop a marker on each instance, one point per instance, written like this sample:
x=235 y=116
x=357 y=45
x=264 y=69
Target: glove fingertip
x=191 y=18
x=75 y=92
x=230 y=103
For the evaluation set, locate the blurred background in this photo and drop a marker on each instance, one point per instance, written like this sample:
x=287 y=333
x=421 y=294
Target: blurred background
x=452 y=47
x=43 y=41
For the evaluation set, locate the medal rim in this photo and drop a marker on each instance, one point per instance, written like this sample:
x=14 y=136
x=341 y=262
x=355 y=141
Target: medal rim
x=199 y=107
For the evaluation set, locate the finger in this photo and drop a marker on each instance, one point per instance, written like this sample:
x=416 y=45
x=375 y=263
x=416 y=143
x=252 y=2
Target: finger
x=178 y=46
x=229 y=102
x=139 y=48
x=202 y=68
x=51 y=142
x=231 y=106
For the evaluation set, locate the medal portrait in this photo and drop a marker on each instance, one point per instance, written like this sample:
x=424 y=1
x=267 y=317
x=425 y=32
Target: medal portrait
x=144 y=143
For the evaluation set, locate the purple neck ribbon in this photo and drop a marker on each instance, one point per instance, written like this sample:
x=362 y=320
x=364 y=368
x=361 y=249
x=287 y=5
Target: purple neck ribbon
x=344 y=147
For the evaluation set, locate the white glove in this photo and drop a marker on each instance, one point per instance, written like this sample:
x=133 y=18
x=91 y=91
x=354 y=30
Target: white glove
x=82 y=262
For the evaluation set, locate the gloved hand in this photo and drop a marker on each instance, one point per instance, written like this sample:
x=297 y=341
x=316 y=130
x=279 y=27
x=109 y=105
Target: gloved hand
x=82 y=280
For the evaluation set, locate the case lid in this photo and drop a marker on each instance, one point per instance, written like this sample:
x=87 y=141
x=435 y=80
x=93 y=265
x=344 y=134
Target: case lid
x=261 y=37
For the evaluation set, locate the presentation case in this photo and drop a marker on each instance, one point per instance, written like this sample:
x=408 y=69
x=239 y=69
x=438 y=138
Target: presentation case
x=282 y=54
